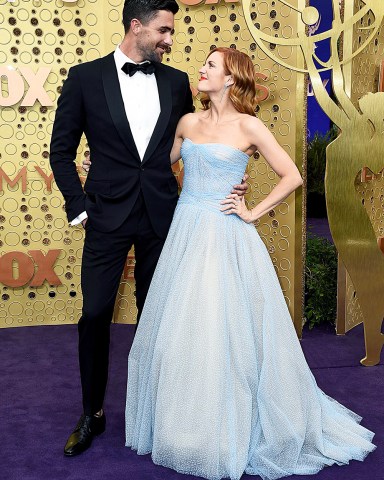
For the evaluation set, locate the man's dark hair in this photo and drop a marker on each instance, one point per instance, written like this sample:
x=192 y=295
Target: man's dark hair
x=145 y=10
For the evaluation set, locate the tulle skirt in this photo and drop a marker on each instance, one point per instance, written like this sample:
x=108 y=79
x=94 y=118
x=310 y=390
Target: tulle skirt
x=217 y=381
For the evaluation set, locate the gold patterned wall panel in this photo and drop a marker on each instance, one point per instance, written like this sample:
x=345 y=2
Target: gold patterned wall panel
x=364 y=79
x=57 y=35
x=35 y=239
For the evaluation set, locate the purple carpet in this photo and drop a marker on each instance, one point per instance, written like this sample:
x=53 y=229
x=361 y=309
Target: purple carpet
x=40 y=404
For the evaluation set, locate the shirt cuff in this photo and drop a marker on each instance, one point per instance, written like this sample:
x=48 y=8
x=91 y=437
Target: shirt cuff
x=79 y=219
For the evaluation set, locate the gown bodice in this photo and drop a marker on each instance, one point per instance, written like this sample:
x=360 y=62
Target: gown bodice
x=211 y=171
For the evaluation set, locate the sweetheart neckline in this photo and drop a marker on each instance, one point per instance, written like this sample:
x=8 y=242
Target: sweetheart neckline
x=217 y=143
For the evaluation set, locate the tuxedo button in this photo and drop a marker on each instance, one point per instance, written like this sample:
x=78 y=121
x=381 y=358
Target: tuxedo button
x=142 y=169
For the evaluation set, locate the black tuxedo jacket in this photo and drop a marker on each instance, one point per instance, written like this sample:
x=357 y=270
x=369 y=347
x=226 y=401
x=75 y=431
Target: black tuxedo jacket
x=91 y=103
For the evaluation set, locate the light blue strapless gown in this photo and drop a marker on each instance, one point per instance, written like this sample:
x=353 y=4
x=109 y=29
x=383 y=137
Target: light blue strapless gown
x=217 y=381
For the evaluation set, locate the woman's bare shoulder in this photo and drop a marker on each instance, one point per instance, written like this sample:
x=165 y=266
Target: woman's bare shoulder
x=253 y=126
x=249 y=121
x=189 y=121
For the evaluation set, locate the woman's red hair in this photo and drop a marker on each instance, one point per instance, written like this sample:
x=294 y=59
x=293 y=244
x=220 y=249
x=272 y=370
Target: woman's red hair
x=243 y=92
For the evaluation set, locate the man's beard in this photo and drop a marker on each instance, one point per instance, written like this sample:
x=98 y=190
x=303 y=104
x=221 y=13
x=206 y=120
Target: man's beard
x=150 y=54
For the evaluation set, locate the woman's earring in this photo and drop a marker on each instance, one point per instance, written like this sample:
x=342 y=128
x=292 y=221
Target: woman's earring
x=224 y=90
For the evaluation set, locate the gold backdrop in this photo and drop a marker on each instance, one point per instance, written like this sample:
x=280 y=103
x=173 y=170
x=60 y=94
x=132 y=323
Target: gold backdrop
x=40 y=40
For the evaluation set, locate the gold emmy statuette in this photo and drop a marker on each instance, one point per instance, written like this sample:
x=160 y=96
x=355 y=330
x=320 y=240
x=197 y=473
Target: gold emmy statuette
x=354 y=157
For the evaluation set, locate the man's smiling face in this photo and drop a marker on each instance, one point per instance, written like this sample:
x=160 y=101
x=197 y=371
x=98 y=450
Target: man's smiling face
x=154 y=38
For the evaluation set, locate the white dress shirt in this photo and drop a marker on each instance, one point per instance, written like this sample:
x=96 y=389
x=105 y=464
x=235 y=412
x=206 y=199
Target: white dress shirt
x=142 y=107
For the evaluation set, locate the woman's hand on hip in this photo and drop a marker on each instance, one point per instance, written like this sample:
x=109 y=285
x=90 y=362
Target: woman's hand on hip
x=235 y=204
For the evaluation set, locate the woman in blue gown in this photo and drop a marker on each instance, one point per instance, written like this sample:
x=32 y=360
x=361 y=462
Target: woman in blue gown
x=217 y=381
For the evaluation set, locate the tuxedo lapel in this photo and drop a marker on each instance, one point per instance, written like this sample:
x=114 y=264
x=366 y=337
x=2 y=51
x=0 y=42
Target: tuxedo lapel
x=165 y=96
x=116 y=105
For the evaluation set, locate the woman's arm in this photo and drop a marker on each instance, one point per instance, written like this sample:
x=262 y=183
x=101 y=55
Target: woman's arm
x=279 y=161
x=182 y=126
x=175 y=152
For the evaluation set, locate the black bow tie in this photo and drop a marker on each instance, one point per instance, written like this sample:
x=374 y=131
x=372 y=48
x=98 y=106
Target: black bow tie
x=131 y=68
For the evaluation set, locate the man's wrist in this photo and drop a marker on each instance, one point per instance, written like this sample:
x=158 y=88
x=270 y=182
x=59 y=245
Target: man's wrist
x=79 y=219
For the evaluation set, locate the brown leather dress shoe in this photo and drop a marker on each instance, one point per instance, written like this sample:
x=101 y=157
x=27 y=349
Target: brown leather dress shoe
x=81 y=438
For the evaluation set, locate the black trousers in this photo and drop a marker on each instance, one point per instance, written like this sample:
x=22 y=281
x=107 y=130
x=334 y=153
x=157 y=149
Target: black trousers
x=104 y=257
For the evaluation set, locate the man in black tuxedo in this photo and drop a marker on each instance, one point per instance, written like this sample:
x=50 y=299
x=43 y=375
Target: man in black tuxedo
x=128 y=105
